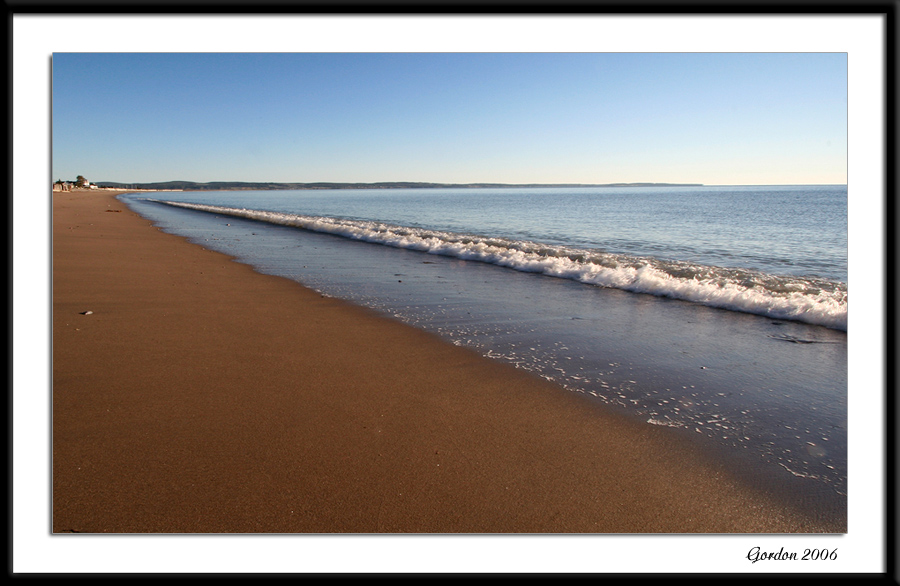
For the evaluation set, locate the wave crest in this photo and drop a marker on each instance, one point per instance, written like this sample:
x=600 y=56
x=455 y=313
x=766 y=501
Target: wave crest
x=810 y=300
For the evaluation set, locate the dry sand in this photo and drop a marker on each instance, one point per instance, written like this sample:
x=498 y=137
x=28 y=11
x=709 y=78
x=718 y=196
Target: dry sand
x=202 y=397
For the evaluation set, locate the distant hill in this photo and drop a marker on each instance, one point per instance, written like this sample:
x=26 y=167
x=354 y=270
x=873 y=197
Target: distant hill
x=241 y=185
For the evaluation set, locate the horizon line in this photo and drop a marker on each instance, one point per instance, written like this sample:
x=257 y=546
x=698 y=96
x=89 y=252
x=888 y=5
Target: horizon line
x=451 y=184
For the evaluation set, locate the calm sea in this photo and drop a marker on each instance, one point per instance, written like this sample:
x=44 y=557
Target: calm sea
x=720 y=312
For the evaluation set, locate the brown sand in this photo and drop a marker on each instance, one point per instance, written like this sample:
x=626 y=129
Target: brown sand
x=203 y=397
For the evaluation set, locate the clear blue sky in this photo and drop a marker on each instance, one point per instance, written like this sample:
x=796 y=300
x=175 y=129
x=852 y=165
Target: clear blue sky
x=713 y=118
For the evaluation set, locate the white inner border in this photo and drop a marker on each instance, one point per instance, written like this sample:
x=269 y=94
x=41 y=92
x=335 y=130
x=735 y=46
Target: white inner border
x=36 y=37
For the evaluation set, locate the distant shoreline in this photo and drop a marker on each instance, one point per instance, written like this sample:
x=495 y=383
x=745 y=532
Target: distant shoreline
x=261 y=186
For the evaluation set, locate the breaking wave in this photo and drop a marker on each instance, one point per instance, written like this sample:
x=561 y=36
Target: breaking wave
x=810 y=300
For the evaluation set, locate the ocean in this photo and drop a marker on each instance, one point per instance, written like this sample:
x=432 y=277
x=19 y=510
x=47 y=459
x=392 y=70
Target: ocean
x=717 y=311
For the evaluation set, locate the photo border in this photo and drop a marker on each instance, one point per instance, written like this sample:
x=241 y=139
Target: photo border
x=29 y=191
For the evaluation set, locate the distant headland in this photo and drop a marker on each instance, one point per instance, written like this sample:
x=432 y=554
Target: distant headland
x=241 y=185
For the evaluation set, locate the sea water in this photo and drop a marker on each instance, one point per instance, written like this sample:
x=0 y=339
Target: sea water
x=720 y=312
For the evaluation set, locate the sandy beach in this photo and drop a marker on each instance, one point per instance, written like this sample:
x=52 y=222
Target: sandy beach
x=199 y=396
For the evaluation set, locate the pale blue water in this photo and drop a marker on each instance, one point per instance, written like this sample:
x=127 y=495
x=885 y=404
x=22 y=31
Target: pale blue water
x=717 y=311
x=789 y=230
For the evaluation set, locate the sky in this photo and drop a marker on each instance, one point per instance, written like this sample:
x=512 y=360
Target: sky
x=711 y=118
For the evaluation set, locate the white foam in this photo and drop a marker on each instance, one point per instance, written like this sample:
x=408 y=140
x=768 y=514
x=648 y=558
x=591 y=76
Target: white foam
x=811 y=301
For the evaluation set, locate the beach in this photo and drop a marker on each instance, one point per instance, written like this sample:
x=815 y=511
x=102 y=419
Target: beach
x=199 y=396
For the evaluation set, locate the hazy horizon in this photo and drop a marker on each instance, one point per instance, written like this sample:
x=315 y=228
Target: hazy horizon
x=510 y=118
x=476 y=183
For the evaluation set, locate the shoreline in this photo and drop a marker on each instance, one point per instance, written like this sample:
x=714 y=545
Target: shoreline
x=200 y=396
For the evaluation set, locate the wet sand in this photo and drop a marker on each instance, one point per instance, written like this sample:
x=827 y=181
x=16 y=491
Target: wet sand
x=199 y=396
